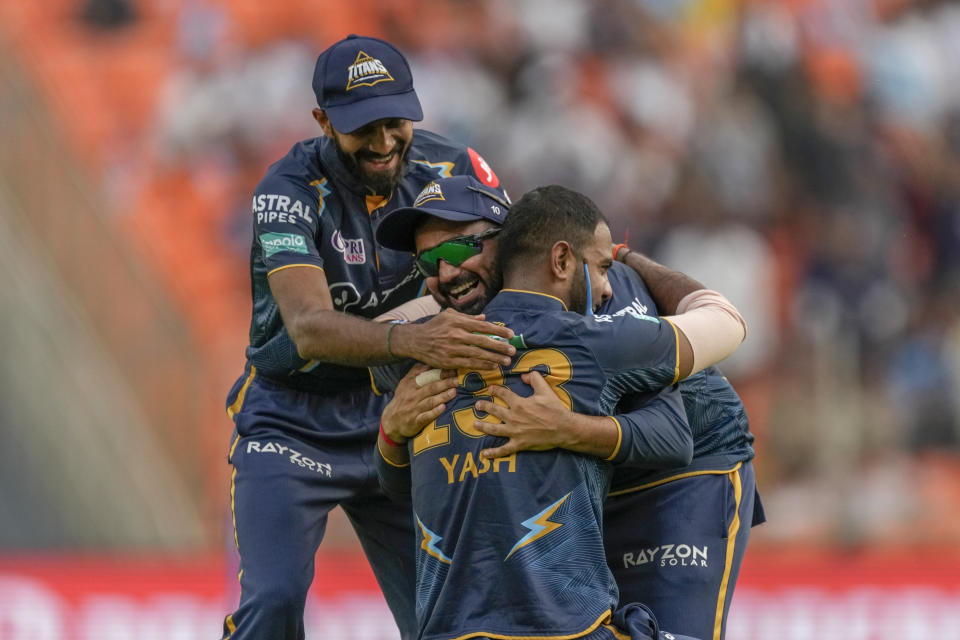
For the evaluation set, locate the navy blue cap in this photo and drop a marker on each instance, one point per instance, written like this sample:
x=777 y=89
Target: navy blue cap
x=460 y=199
x=359 y=79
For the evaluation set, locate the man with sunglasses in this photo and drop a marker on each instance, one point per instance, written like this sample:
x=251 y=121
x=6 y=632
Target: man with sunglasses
x=683 y=562
x=511 y=546
x=454 y=251
x=305 y=419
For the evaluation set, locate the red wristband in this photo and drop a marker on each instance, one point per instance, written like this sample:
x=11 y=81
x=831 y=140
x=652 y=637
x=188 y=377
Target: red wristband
x=616 y=249
x=386 y=438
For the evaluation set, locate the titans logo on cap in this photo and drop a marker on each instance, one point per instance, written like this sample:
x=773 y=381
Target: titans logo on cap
x=366 y=72
x=430 y=192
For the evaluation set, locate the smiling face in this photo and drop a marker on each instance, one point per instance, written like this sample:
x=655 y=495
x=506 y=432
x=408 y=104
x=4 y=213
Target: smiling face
x=375 y=153
x=471 y=285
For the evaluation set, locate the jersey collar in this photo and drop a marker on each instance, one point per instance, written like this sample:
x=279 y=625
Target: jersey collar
x=523 y=299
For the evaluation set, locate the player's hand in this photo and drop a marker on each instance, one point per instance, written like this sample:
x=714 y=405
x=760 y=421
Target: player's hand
x=533 y=423
x=454 y=340
x=413 y=407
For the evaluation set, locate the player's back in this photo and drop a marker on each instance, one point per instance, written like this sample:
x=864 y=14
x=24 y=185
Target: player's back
x=513 y=546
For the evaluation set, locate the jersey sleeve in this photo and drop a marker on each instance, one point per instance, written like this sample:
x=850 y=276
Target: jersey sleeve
x=286 y=222
x=654 y=431
x=394 y=480
x=385 y=378
x=637 y=352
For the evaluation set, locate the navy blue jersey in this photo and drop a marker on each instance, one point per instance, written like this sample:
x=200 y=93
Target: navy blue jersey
x=310 y=210
x=513 y=547
x=718 y=421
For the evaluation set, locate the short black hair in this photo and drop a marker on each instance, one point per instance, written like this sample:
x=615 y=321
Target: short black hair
x=541 y=218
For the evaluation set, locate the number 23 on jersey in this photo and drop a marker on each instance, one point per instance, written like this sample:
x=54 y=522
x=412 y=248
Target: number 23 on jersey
x=556 y=369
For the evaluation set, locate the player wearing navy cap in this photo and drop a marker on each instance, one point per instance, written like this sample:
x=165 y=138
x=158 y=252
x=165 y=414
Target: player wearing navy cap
x=684 y=559
x=511 y=546
x=305 y=419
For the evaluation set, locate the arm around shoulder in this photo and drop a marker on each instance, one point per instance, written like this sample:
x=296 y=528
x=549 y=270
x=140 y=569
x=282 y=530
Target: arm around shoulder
x=448 y=341
x=656 y=434
x=393 y=469
x=709 y=327
x=667 y=286
x=320 y=332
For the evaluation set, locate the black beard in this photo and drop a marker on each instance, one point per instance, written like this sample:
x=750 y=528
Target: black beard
x=478 y=304
x=578 y=292
x=473 y=308
x=378 y=183
x=476 y=307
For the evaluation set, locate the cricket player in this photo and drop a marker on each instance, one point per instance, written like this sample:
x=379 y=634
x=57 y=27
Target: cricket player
x=305 y=418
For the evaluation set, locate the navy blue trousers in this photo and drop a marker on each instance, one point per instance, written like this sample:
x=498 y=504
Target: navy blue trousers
x=296 y=455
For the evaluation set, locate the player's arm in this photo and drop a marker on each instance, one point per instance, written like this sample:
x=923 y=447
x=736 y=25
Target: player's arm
x=414 y=406
x=709 y=328
x=408 y=412
x=655 y=434
x=644 y=354
x=639 y=354
x=449 y=340
x=384 y=378
x=393 y=468
x=659 y=352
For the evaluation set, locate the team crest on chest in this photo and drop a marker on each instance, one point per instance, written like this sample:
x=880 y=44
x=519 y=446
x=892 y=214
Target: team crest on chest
x=351 y=248
x=366 y=72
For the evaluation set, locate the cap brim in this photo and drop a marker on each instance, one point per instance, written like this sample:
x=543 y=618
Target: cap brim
x=350 y=117
x=397 y=229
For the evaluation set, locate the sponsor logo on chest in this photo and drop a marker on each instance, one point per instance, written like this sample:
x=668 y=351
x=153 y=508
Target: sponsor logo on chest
x=351 y=248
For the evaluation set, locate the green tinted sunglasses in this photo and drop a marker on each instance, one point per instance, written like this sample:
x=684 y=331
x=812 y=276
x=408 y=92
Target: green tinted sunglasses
x=454 y=251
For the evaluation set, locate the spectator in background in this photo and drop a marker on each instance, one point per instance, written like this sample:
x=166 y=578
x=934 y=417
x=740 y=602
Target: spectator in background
x=108 y=14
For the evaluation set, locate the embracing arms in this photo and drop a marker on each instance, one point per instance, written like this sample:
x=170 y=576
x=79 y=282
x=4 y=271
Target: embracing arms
x=448 y=340
x=654 y=433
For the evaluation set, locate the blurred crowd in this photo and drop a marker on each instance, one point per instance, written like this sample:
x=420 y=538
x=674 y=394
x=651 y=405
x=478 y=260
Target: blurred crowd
x=802 y=156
